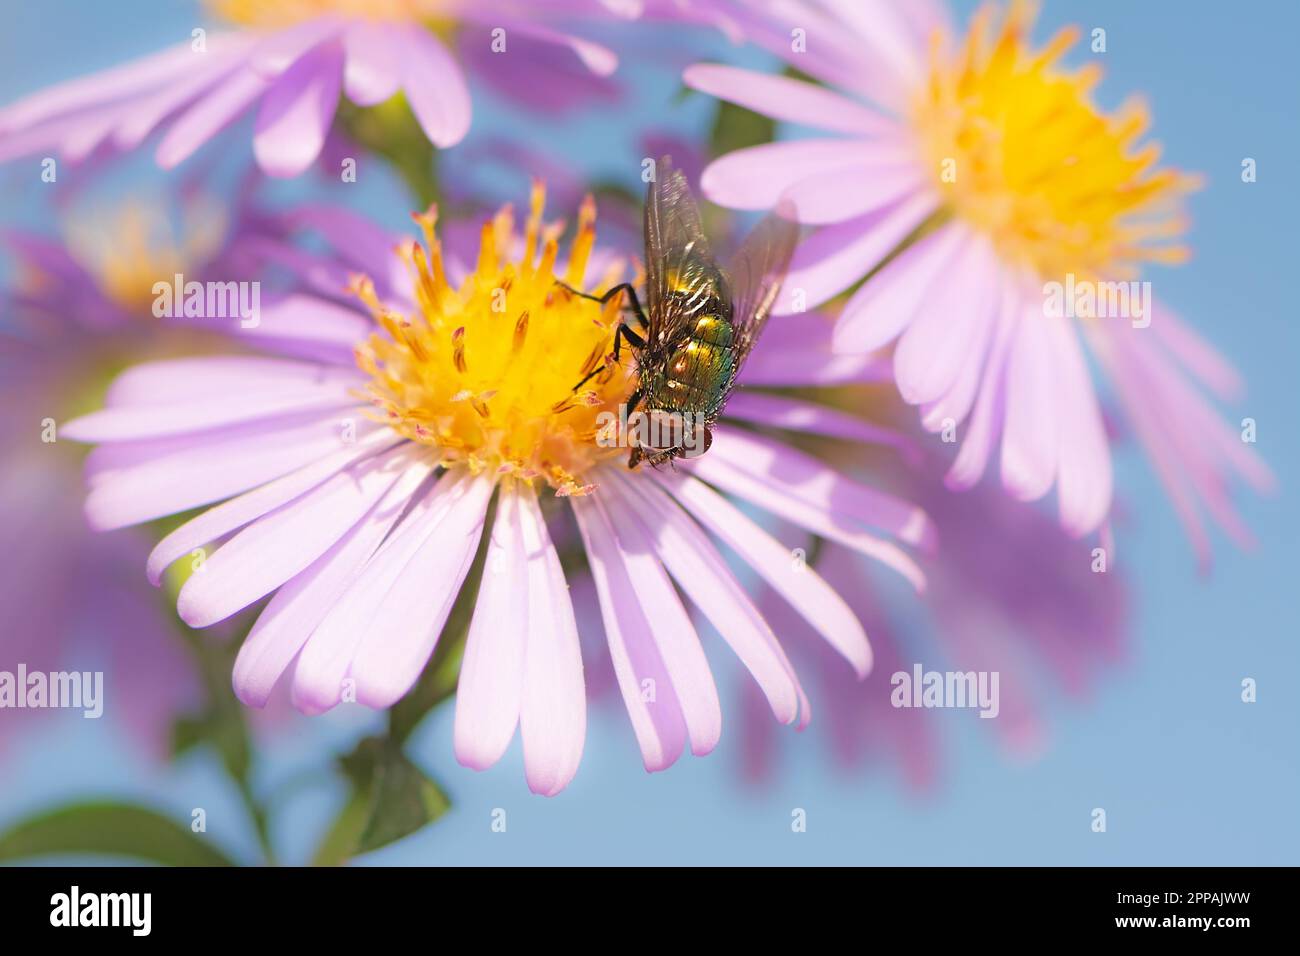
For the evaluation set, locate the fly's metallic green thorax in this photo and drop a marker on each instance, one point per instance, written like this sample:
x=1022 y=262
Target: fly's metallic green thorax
x=700 y=320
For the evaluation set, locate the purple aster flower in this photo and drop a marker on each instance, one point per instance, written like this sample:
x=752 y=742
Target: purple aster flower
x=356 y=489
x=1010 y=592
x=76 y=307
x=956 y=185
x=289 y=62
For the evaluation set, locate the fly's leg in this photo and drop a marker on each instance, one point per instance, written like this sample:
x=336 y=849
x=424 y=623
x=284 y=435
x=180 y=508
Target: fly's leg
x=634 y=339
x=633 y=302
x=634 y=400
x=637 y=455
x=621 y=332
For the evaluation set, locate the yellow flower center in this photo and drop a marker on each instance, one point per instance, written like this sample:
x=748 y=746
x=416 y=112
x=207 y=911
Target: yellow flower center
x=1021 y=152
x=280 y=13
x=130 y=248
x=485 y=374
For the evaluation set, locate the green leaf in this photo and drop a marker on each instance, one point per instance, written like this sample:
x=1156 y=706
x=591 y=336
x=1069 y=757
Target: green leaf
x=391 y=799
x=344 y=835
x=223 y=729
x=111 y=829
x=391 y=130
x=737 y=128
x=404 y=800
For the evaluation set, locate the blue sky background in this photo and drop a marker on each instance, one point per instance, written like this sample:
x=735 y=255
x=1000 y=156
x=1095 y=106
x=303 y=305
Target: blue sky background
x=1187 y=773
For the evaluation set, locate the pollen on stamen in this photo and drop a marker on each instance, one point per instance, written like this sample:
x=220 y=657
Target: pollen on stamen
x=510 y=407
x=458 y=350
x=521 y=332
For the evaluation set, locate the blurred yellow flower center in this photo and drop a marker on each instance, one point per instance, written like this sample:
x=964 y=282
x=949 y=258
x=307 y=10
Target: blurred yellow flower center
x=1020 y=152
x=131 y=248
x=485 y=373
x=279 y=13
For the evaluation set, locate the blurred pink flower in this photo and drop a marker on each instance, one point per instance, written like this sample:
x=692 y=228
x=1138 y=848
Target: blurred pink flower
x=66 y=599
x=366 y=528
x=1009 y=592
x=76 y=307
x=290 y=61
x=945 y=189
x=855 y=718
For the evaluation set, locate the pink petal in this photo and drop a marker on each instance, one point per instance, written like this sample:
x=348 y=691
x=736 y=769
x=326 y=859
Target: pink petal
x=320 y=273
x=1131 y=383
x=435 y=88
x=955 y=404
x=91 y=133
x=1084 y=480
x=795 y=350
x=838 y=59
x=792 y=414
x=889 y=301
x=132 y=482
x=145 y=114
x=813 y=598
x=296 y=610
x=844 y=194
x=136 y=422
x=287 y=541
x=657 y=722
x=674 y=634
x=323 y=663
x=209 y=115
x=951 y=330
x=702 y=574
x=40 y=139
x=804 y=477
x=280 y=49
x=758 y=176
x=372 y=74
x=237 y=512
x=1195 y=353
x=311 y=327
x=226 y=102
x=812 y=366
x=887 y=39
x=98 y=89
x=1193 y=449
x=553 y=711
x=789 y=503
x=985 y=425
x=835 y=257
x=1176 y=393
x=594 y=56
x=786 y=99
x=297 y=111
x=1031 y=440
x=162 y=382
x=358 y=241
x=402 y=633
x=925 y=18
x=491 y=682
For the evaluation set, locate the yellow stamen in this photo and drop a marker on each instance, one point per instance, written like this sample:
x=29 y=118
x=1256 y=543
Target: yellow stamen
x=281 y=13
x=485 y=373
x=1021 y=153
x=130 y=248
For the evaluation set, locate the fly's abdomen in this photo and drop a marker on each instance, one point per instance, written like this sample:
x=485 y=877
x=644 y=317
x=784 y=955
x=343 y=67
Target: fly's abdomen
x=698 y=370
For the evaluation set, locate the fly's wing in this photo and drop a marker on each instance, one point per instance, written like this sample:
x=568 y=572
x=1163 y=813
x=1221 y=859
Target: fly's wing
x=756 y=273
x=681 y=274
